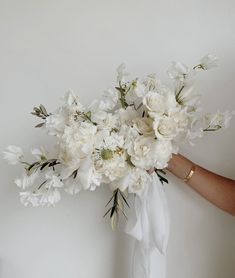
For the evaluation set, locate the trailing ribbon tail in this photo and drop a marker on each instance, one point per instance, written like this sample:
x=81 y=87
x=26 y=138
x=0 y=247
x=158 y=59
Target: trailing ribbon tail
x=149 y=225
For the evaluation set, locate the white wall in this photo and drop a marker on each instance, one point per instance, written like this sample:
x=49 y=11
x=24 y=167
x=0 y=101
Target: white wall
x=47 y=47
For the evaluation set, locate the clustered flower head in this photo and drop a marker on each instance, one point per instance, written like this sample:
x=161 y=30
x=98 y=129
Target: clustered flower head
x=118 y=138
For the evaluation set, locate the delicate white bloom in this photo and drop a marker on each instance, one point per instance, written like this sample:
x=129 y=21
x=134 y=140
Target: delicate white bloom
x=218 y=120
x=26 y=180
x=122 y=73
x=138 y=181
x=53 y=180
x=187 y=96
x=39 y=153
x=151 y=82
x=50 y=197
x=71 y=99
x=143 y=125
x=155 y=103
x=126 y=116
x=142 y=152
x=181 y=118
x=55 y=123
x=13 y=154
x=139 y=89
x=178 y=71
x=72 y=186
x=109 y=100
x=164 y=150
x=165 y=128
x=29 y=198
x=208 y=61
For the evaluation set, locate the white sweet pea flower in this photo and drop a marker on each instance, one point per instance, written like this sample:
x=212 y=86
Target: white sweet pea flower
x=39 y=154
x=155 y=102
x=143 y=125
x=165 y=128
x=138 y=89
x=187 y=96
x=208 y=61
x=122 y=73
x=55 y=123
x=218 y=120
x=26 y=180
x=29 y=198
x=178 y=71
x=107 y=102
x=50 y=197
x=70 y=99
x=72 y=186
x=50 y=194
x=13 y=154
x=53 y=180
x=151 y=82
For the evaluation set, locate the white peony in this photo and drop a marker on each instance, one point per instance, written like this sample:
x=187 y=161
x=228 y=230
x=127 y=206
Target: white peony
x=142 y=152
x=138 y=181
x=13 y=154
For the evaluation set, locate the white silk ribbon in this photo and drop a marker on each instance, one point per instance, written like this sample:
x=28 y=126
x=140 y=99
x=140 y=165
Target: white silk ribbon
x=149 y=224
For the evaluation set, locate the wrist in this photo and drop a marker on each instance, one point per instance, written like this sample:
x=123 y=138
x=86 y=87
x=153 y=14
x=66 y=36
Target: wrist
x=180 y=166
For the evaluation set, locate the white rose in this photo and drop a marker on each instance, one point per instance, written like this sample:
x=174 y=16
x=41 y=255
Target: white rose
x=165 y=128
x=155 y=103
x=143 y=125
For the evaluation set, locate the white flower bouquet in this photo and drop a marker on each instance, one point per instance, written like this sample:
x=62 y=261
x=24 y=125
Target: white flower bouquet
x=124 y=139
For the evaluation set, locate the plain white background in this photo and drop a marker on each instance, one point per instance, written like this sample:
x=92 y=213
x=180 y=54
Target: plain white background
x=50 y=46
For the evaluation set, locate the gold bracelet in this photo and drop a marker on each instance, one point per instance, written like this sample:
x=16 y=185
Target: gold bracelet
x=190 y=174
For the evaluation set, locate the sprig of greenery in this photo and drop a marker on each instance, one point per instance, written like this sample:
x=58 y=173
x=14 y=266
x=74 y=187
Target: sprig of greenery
x=41 y=165
x=119 y=199
x=160 y=174
x=123 y=90
x=40 y=112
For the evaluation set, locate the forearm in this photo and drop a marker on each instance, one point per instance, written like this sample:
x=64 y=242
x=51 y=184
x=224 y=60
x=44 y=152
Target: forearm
x=217 y=189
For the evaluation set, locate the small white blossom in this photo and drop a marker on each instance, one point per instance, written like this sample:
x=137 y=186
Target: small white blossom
x=13 y=154
x=26 y=180
x=122 y=73
x=178 y=71
x=29 y=198
x=208 y=61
